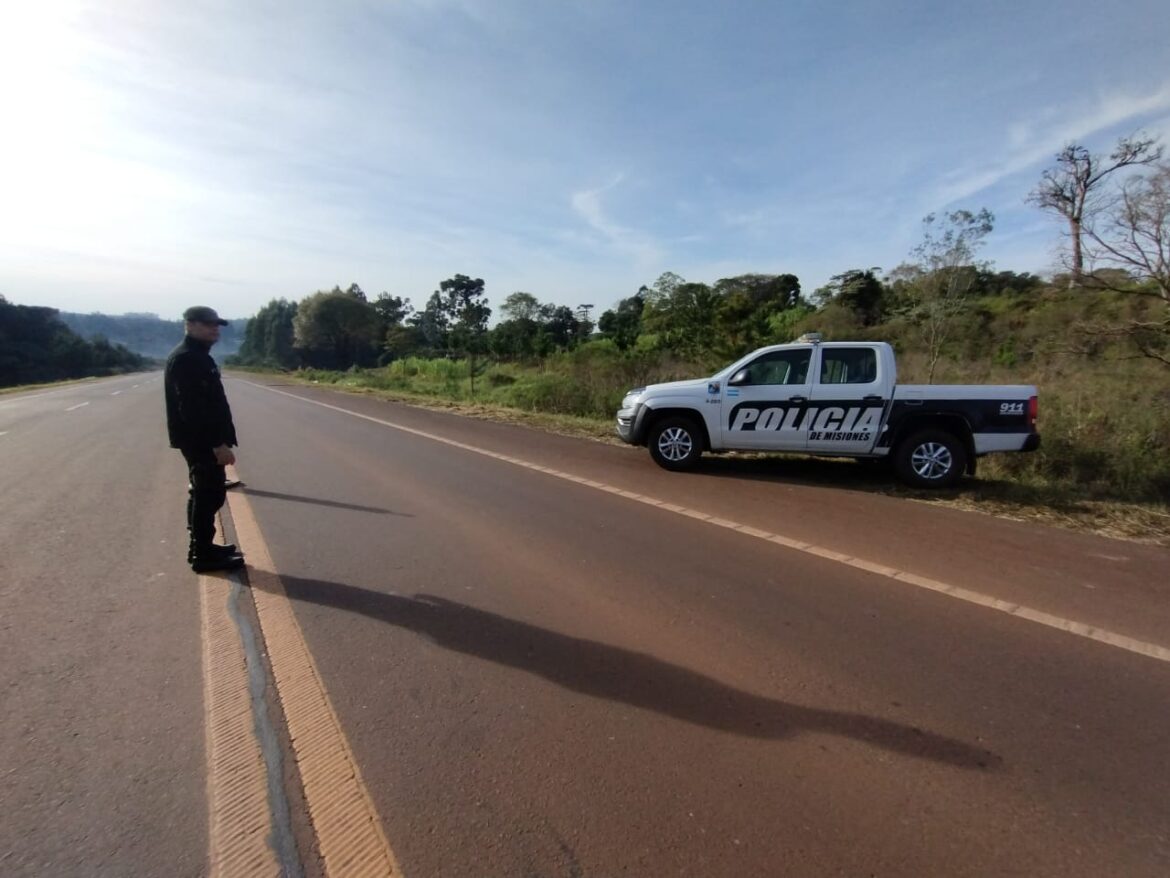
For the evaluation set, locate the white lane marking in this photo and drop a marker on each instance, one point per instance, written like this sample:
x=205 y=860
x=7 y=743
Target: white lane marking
x=3 y=432
x=1080 y=629
x=74 y=408
x=115 y=393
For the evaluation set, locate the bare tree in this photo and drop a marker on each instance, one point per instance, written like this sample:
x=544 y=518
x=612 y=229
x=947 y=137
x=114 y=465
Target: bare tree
x=1073 y=188
x=937 y=285
x=1134 y=235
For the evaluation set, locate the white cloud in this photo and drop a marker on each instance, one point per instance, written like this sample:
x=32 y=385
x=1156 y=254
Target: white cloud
x=1032 y=142
x=587 y=203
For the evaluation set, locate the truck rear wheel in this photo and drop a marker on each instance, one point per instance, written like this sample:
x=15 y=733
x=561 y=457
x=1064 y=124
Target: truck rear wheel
x=676 y=443
x=931 y=459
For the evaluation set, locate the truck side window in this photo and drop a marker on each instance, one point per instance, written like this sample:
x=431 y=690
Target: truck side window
x=780 y=367
x=848 y=366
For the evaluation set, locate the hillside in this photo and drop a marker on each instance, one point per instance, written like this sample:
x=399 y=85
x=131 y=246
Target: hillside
x=147 y=334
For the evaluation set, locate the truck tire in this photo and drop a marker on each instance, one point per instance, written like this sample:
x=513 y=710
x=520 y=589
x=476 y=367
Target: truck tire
x=676 y=443
x=931 y=459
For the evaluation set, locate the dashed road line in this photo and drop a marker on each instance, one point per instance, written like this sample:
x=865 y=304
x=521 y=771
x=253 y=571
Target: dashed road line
x=74 y=408
x=348 y=828
x=115 y=393
x=1070 y=626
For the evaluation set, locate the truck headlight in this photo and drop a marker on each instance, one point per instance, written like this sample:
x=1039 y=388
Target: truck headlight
x=630 y=400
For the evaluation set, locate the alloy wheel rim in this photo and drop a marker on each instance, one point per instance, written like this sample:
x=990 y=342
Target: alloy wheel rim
x=675 y=444
x=932 y=461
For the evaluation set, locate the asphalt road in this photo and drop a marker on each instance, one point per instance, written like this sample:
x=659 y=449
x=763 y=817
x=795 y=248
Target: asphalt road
x=540 y=677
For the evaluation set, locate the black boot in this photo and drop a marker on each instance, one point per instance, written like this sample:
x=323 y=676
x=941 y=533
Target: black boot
x=211 y=564
x=211 y=552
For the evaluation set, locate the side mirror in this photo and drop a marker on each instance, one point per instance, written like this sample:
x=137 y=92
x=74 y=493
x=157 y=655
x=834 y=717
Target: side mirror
x=738 y=379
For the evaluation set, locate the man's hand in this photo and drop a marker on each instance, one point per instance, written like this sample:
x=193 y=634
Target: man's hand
x=224 y=456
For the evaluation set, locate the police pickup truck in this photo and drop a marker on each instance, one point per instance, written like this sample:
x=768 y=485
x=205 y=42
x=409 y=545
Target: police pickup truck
x=837 y=399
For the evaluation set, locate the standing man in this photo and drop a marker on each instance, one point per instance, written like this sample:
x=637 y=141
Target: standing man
x=199 y=422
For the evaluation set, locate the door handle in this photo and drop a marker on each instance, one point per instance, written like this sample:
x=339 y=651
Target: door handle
x=873 y=397
x=798 y=399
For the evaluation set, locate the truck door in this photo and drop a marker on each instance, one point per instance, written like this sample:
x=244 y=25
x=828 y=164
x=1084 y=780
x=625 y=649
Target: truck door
x=764 y=402
x=850 y=395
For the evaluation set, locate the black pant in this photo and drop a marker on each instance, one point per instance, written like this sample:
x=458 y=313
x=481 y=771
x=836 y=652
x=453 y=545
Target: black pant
x=206 y=495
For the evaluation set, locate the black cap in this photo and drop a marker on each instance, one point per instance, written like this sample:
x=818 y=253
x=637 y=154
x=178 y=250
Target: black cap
x=203 y=314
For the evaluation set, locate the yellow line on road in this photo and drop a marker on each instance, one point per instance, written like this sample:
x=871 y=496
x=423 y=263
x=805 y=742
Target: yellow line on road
x=349 y=831
x=1071 y=626
x=239 y=823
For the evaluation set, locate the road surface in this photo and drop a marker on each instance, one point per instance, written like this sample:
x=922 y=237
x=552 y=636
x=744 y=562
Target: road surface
x=546 y=656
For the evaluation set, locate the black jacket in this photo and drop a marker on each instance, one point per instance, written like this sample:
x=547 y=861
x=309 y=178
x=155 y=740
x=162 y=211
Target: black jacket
x=198 y=415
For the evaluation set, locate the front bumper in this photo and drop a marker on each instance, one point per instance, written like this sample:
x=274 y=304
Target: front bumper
x=629 y=422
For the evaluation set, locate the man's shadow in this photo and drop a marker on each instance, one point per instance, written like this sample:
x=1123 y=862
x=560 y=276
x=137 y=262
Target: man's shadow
x=625 y=676
x=317 y=501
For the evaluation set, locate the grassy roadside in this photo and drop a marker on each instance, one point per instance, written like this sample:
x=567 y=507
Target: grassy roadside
x=996 y=492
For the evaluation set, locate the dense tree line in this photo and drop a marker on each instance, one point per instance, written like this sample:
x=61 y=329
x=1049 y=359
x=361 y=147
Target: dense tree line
x=36 y=347
x=341 y=329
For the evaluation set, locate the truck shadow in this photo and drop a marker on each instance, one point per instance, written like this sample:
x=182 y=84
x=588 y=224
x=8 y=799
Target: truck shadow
x=625 y=676
x=873 y=476
x=878 y=477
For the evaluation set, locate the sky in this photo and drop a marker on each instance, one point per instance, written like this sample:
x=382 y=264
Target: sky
x=160 y=154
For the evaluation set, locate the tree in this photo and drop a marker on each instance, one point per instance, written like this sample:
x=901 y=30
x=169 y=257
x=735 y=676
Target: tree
x=517 y=335
x=465 y=304
x=1133 y=236
x=514 y=339
x=1006 y=283
x=747 y=304
x=859 y=291
x=662 y=289
x=268 y=337
x=521 y=306
x=624 y=323
x=336 y=330
x=1073 y=189
x=584 y=327
x=559 y=327
x=774 y=292
x=685 y=320
x=433 y=324
x=398 y=340
x=936 y=286
x=402 y=340
x=392 y=310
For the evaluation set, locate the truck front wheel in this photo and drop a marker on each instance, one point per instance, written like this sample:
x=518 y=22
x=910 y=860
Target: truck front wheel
x=676 y=443
x=931 y=459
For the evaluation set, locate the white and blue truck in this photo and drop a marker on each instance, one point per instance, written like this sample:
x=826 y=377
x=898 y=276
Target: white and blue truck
x=839 y=399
